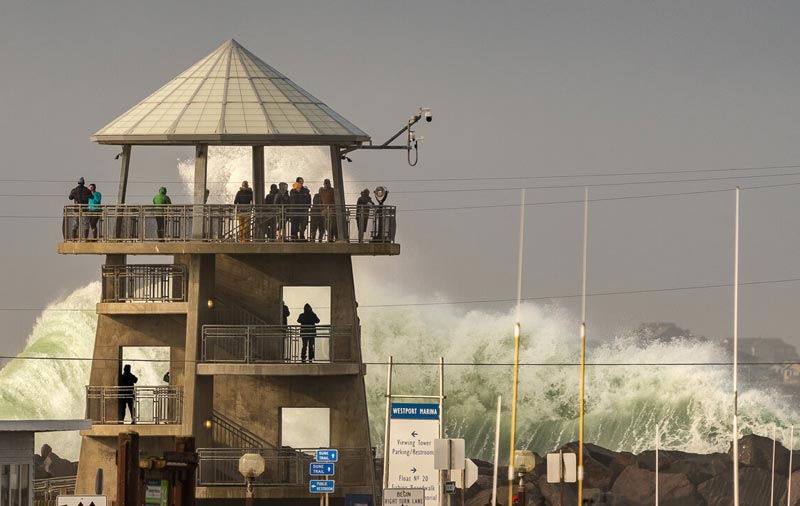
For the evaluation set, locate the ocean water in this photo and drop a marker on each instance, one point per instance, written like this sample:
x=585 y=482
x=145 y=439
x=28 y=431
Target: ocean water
x=624 y=401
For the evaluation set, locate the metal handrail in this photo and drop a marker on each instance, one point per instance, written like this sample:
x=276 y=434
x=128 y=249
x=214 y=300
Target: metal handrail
x=257 y=344
x=228 y=223
x=285 y=467
x=227 y=433
x=47 y=490
x=144 y=283
x=153 y=405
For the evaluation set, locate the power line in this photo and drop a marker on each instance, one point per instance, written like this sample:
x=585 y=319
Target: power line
x=426 y=180
x=527 y=204
x=550 y=187
x=418 y=363
x=489 y=301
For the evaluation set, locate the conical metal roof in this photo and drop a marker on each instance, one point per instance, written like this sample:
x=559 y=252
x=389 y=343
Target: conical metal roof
x=231 y=97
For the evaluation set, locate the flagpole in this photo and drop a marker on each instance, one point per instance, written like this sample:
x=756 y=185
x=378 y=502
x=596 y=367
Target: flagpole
x=516 y=354
x=736 y=355
x=583 y=346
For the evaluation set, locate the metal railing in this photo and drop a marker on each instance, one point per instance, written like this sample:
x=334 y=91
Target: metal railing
x=46 y=491
x=225 y=433
x=144 y=283
x=284 y=467
x=151 y=404
x=229 y=223
x=255 y=344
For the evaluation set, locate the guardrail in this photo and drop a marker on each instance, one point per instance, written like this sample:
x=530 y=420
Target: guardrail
x=144 y=283
x=259 y=344
x=152 y=405
x=46 y=491
x=284 y=467
x=228 y=223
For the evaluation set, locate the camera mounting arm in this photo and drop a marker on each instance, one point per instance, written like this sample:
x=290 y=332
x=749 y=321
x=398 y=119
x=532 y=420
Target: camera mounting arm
x=412 y=140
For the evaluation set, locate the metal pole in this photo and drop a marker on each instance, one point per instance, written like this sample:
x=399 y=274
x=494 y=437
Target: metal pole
x=441 y=424
x=736 y=355
x=515 y=380
x=386 y=428
x=496 y=452
x=789 y=480
x=657 y=444
x=583 y=345
x=772 y=482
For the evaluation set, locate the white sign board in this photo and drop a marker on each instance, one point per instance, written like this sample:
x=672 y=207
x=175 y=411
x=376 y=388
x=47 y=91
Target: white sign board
x=412 y=430
x=81 y=500
x=562 y=467
x=449 y=454
x=403 y=497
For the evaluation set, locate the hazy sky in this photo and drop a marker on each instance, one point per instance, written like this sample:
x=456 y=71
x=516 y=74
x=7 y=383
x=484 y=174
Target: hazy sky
x=518 y=89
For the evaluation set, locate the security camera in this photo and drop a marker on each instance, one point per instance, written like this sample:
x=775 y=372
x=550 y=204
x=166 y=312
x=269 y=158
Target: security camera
x=428 y=114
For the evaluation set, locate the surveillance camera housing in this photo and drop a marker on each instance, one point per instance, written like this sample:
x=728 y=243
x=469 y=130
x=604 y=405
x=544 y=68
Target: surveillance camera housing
x=428 y=116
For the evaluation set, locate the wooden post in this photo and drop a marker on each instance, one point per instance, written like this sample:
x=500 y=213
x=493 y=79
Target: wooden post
x=258 y=175
x=200 y=175
x=338 y=184
x=128 y=469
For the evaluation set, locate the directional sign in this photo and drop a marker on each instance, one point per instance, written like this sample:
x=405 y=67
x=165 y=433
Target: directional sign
x=321 y=486
x=470 y=473
x=320 y=469
x=327 y=455
x=412 y=429
x=561 y=467
x=403 y=497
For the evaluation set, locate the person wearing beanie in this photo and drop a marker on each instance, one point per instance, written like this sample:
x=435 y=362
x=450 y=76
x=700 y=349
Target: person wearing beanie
x=80 y=196
x=300 y=201
x=244 y=197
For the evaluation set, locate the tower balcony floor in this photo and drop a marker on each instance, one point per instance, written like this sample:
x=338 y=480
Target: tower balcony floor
x=136 y=308
x=220 y=248
x=113 y=430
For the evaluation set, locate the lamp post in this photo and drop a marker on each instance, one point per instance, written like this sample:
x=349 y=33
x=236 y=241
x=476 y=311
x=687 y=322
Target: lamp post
x=251 y=465
x=524 y=462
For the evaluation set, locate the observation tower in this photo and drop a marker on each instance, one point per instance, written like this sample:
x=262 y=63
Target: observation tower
x=237 y=382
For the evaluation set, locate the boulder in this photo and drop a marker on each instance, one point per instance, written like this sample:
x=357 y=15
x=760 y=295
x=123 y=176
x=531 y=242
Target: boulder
x=795 y=499
x=699 y=468
x=597 y=465
x=636 y=486
x=551 y=492
x=754 y=488
x=756 y=451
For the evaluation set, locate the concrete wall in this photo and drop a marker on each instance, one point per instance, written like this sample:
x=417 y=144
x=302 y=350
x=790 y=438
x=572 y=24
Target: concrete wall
x=16 y=448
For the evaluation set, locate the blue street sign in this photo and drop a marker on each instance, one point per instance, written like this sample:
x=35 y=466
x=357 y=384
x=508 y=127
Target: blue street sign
x=327 y=455
x=320 y=469
x=321 y=486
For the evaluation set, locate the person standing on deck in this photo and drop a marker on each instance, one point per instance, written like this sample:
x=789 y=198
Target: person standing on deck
x=127 y=393
x=308 y=332
x=94 y=211
x=244 y=197
x=161 y=199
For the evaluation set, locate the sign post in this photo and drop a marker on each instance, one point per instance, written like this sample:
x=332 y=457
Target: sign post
x=324 y=466
x=414 y=427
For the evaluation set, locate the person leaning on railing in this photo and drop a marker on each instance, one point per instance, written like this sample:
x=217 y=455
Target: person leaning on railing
x=161 y=199
x=363 y=206
x=317 y=220
x=300 y=200
x=244 y=197
x=272 y=224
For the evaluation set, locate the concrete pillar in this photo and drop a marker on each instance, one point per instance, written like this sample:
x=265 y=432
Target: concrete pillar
x=198 y=390
x=124 y=162
x=338 y=184
x=200 y=176
x=258 y=174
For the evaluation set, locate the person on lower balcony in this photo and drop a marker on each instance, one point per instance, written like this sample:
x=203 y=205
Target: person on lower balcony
x=308 y=332
x=127 y=393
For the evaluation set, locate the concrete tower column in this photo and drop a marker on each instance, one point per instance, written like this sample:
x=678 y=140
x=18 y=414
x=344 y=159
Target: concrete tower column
x=200 y=176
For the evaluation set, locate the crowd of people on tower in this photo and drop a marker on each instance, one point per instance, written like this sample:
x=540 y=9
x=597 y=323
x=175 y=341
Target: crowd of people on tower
x=303 y=217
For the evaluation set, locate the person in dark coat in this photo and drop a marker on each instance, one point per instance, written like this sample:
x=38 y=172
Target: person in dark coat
x=328 y=200
x=363 y=205
x=308 y=332
x=80 y=196
x=300 y=200
x=244 y=197
x=317 y=220
x=126 y=393
x=272 y=221
x=282 y=200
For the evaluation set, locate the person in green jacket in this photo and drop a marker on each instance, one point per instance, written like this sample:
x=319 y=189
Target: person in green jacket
x=95 y=212
x=161 y=199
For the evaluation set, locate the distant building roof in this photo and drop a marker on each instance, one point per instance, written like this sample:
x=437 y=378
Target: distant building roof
x=231 y=97
x=43 y=425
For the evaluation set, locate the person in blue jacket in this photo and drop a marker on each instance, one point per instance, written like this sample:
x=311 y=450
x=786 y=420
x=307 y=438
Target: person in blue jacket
x=94 y=211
